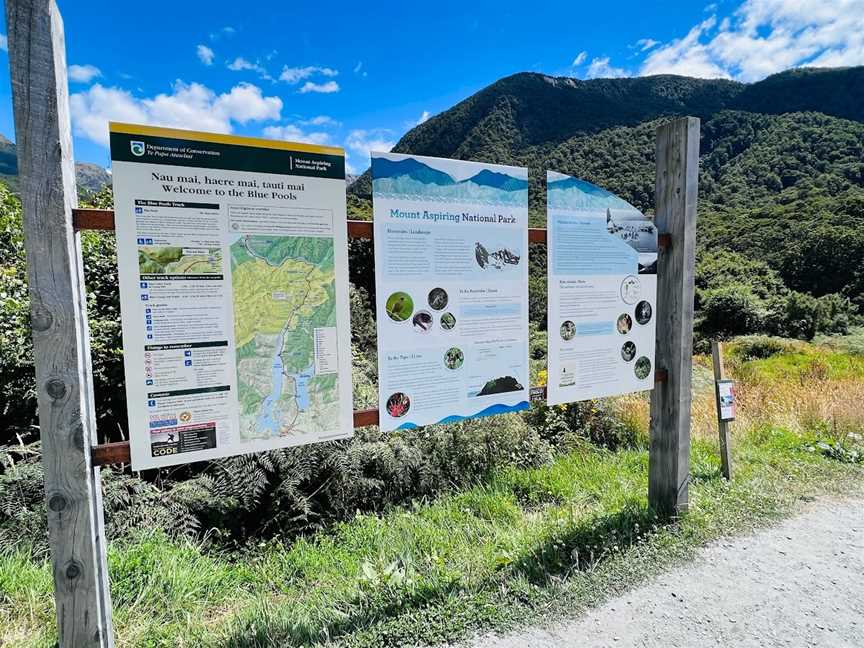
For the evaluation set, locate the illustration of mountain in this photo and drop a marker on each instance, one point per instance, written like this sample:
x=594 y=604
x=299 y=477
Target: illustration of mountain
x=409 y=168
x=497 y=180
x=413 y=178
x=500 y=385
x=567 y=192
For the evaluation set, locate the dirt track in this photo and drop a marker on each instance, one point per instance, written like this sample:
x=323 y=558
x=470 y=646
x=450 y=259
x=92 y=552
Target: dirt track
x=798 y=584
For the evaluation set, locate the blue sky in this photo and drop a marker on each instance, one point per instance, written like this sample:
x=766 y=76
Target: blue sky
x=361 y=75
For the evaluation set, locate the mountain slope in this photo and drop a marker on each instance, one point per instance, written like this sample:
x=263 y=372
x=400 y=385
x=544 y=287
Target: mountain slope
x=90 y=177
x=781 y=169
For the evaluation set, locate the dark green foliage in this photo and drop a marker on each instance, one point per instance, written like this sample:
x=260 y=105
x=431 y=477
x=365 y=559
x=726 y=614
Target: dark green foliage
x=130 y=504
x=282 y=492
x=781 y=175
x=567 y=425
x=758 y=347
x=739 y=296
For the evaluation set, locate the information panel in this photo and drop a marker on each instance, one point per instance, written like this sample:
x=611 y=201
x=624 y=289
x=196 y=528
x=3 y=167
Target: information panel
x=451 y=275
x=602 y=271
x=233 y=268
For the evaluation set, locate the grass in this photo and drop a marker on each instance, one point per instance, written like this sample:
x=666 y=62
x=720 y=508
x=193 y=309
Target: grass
x=523 y=545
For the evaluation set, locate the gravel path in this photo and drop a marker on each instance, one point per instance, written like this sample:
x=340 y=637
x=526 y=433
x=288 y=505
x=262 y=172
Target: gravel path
x=800 y=583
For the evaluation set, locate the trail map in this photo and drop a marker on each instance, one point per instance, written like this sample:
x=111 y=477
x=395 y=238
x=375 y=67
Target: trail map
x=284 y=290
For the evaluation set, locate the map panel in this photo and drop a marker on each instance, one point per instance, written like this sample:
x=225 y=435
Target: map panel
x=284 y=291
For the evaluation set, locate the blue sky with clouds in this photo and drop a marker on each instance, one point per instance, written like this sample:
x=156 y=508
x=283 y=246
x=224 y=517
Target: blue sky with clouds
x=360 y=75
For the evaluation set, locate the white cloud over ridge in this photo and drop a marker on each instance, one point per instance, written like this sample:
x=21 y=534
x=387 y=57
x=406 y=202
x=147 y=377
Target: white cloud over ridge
x=363 y=142
x=189 y=105
x=580 y=58
x=763 y=37
x=602 y=68
x=83 y=73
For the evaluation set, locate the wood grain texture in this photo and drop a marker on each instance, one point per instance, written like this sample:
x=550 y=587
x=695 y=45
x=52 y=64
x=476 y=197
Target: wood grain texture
x=67 y=425
x=677 y=151
x=722 y=426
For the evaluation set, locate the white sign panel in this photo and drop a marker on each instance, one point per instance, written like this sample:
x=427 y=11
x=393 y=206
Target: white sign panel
x=726 y=399
x=451 y=276
x=602 y=271
x=233 y=268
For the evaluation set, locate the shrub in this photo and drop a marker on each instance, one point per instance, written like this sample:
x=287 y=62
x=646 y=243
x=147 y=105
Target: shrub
x=568 y=425
x=729 y=311
x=758 y=347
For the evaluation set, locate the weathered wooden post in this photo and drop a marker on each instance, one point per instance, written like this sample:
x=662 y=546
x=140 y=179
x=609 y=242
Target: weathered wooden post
x=677 y=181
x=37 y=59
x=722 y=423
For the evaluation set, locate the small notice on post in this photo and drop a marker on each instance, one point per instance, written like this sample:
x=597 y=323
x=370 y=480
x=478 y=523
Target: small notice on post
x=233 y=268
x=726 y=400
x=602 y=292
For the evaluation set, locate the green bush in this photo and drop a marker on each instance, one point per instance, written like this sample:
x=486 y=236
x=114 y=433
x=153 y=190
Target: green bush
x=729 y=311
x=565 y=426
x=758 y=347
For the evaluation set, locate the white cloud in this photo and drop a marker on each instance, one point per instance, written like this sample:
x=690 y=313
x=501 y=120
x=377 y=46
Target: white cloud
x=767 y=36
x=580 y=58
x=601 y=68
x=224 y=31
x=297 y=74
x=83 y=73
x=324 y=88
x=205 y=54
x=363 y=142
x=645 y=44
x=358 y=67
x=4 y=43
x=686 y=56
x=424 y=116
x=240 y=64
x=320 y=120
x=189 y=105
x=296 y=134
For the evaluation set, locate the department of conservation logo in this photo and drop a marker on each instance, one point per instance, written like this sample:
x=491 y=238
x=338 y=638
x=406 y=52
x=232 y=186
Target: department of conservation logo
x=138 y=148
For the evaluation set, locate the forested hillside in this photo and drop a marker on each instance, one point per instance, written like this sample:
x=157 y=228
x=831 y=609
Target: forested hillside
x=781 y=211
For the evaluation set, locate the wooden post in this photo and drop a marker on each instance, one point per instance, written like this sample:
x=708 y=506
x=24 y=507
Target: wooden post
x=677 y=152
x=67 y=422
x=723 y=425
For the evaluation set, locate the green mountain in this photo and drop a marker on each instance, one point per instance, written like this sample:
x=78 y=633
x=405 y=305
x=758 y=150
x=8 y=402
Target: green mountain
x=781 y=160
x=90 y=177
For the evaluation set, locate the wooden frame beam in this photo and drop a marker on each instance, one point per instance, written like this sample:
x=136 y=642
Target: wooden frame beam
x=677 y=178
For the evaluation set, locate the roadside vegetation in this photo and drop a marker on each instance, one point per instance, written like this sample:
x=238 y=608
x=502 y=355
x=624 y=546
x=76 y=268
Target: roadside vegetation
x=558 y=526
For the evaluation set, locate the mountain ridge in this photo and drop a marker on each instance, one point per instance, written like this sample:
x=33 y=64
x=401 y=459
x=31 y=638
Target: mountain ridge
x=781 y=178
x=90 y=178
x=528 y=112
